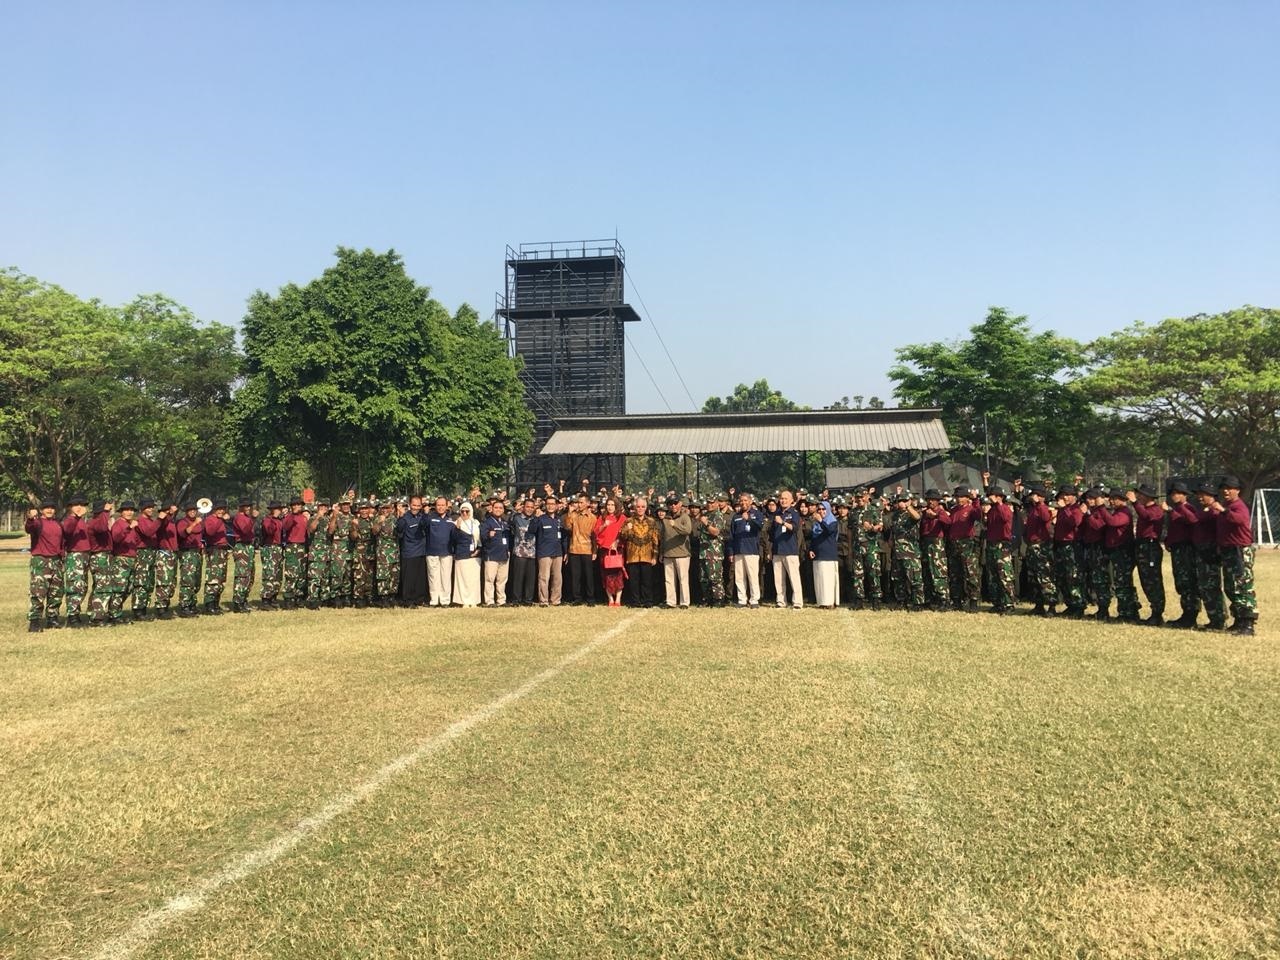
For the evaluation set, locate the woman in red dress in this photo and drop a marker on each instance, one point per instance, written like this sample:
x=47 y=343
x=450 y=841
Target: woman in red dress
x=612 y=567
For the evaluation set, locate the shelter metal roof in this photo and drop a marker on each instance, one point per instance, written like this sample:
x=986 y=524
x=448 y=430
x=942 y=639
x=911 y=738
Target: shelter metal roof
x=793 y=430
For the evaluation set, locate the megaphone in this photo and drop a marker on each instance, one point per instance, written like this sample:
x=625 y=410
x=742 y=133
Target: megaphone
x=204 y=505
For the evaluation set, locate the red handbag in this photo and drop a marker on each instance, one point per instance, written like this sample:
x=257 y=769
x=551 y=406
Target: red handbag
x=613 y=560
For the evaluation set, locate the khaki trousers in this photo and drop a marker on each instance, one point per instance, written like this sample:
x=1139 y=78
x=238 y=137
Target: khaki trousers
x=550 y=579
x=494 y=586
x=677 y=574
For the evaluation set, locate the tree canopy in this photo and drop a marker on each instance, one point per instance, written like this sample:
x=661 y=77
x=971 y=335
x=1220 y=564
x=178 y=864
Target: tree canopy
x=1208 y=383
x=364 y=376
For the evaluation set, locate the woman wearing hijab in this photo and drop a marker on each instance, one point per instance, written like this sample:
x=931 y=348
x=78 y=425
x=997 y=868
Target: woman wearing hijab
x=609 y=550
x=464 y=544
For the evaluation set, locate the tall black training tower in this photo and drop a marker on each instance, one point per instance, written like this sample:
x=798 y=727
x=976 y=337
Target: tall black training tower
x=563 y=309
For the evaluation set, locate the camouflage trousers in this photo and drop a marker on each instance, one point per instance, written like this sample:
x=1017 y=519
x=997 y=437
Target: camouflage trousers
x=1066 y=571
x=857 y=575
x=319 y=564
x=1000 y=566
x=123 y=571
x=293 y=571
x=1121 y=562
x=241 y=572
x=711 y=572
x=215 y=575
x=100 y=591
x=1040 y=570
x=340 y=574
x=1237 y=572
x=1150 y=557
x=46 y=588
x=908 y=581
x=188 y=578
x=935 y=561
x=1099 y=575
x=1184 y=578
x=75 y=581
x=144 y=580
x=965 y=568
x=166 y=576
x=386 y=571
x=1209 y=583
x=271 y=557
x=872 y=569
x=362 y=574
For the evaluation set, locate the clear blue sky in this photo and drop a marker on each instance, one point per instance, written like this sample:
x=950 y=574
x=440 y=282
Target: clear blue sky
x=779 y=173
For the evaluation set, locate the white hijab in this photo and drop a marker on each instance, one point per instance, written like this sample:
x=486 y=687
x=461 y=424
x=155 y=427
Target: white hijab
x=467 y=522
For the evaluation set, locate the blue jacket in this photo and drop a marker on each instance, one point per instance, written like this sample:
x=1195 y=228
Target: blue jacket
x=439 y=535
x=412 y=531
x=495 y=539
x=785 y=542
x=461 y=544
x=548 y=532
x=824 y=538
x=744 y=533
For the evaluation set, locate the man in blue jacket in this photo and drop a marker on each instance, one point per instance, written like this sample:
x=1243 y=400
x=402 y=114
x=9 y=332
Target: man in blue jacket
x=411 y=530
x=784 y=531
x=439 y=555
x=495 y=549
x=548 y=534
x=744 y=534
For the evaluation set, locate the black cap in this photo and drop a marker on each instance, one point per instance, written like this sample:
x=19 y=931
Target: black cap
x=1093 y=493
x=933 y=494
x=78 y=500
x=1178 y=487
x=98 y=506
x=191 y=506
x=295 y=499
x=146 y=502
x=961 y=492
x=1147 y=490
x=1206 y=487
x=1068 y=490
x=903 y=497
x=672 y=500
x=1230 y=483
x=1037 y=486
x=47 y=504
x=220 y=504
x=324 y=502
x=275 y=505
x=246 y=501
x=128 y=505
x=995 y=491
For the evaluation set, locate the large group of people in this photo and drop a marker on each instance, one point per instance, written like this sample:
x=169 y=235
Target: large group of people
x=1063 y=550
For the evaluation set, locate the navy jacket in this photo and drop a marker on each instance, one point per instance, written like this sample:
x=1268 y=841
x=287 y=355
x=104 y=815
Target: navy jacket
x=824 y=538
x=785 y=542
x=744 y=533
x=548 y=532
x=461 y=544
x=439 y=534
x=495 y=539
x=412 y=531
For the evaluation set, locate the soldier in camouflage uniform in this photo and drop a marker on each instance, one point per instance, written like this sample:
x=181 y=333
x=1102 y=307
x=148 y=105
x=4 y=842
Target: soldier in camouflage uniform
x=387 y=549
x=216 y=553
x=320 y=555
x=1149 y=552
x=857 y=551
x=1067 y=524
x=933 y=545
x=294 y=535
x=144 y=574
x=1095 y=554
x=1120 y=556
x=340 y=564
x=908 y=582
x=75 y=570
x=362 y=555
x=45 y=567
x=190 y=559
x=100 y=562
x=1208 y=560
x=1181 y=520
x=715 y=526
x=242 y=556
x=166 y=561
x=872 y=523
x=124 y=560
x=964 y=551
x=1037 y=535
x=271 y=554
x=999 y=537
x=1234 y=534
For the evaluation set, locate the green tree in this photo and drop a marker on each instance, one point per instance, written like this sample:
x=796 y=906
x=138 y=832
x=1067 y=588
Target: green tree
x=1210 y=386
x=1003 y=386
x=370 y=381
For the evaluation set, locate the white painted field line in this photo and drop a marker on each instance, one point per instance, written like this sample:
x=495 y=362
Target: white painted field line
x=147 y=926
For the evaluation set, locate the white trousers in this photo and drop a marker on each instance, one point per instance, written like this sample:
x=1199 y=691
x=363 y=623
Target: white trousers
x=495 y=582
x=787 y=570
x=746 y=577
x=677 y=574
x=466 y=581
x=440 y=581
x=826 y=582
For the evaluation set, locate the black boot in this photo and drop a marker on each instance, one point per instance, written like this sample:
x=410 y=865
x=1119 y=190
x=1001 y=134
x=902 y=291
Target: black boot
x=1213 y=626
x=164 y=613
x=52 y=623
x=34 y=626
x=1038 y=609
x=1242 y=628
x=1155 y=620
x=75 y=621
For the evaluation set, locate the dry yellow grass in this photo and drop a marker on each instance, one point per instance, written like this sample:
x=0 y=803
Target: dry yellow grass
x=709 y=783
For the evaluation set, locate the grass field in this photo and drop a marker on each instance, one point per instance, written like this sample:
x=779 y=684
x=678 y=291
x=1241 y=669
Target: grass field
x=605 y=783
